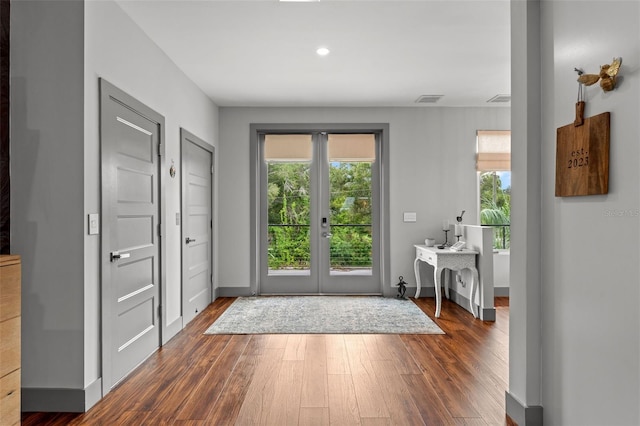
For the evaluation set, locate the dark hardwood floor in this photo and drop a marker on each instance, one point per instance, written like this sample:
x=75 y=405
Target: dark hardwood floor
x=455 y=379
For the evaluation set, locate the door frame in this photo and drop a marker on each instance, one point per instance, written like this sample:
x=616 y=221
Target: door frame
x=188 y=137
x=109 y=92
x=255 y=162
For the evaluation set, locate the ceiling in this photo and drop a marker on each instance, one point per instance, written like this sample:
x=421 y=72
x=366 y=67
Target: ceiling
x=383 y=53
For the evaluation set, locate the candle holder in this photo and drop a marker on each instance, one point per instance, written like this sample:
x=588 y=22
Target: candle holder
x=458 y=230
x=458 y=226
x=445 y=229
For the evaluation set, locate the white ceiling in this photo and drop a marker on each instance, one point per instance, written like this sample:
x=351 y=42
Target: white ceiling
x=383 y=53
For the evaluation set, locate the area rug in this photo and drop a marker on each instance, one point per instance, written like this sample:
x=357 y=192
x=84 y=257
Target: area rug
x=323 y=315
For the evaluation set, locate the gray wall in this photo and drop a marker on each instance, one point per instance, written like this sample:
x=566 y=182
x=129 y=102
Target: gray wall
x=591 y=245
x=575 y=311
x=59 y=50
x=119 y=51
x=432 y=173
x=47 y=120
x=526 y=227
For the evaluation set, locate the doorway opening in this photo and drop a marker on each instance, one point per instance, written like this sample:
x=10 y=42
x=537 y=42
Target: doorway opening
x=320 y=215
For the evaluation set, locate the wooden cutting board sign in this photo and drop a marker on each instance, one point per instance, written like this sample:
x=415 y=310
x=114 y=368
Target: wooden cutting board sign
x=582 y=157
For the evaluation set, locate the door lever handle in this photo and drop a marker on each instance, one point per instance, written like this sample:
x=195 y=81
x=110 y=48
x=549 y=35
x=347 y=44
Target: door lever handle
x=116 y=256
x=327 y=234
x=189 y=240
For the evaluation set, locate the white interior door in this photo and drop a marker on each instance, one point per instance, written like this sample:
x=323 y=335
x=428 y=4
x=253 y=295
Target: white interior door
x=197 y=225
x=319 y=213
x=130 y=140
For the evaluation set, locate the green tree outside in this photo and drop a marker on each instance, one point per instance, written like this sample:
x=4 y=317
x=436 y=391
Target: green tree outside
x=288 y=210
x=288 y=215
x=495 y=208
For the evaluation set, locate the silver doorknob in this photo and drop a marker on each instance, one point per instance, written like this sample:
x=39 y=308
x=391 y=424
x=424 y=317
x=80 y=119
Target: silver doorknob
x=116 y=256
x=327 y=234
x=189 y=240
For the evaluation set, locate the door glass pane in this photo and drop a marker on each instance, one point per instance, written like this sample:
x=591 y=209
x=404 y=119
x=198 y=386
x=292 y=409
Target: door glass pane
x=350 y=160
x=288 y=159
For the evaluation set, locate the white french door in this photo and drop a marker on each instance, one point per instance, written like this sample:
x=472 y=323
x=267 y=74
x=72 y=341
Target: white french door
x=319 y=216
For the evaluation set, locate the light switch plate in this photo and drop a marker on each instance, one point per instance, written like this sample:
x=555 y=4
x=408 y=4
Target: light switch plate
x=94 y=223
x=410 y=216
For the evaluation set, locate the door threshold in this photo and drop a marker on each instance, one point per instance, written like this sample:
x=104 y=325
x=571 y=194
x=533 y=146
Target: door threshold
x=319 y=294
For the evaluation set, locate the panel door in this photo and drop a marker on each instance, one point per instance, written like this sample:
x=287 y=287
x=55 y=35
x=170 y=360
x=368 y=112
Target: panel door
x=130 y=239
x=197 y=169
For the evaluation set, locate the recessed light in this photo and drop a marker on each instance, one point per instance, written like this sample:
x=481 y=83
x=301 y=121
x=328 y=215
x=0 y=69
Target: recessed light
x=322 y=51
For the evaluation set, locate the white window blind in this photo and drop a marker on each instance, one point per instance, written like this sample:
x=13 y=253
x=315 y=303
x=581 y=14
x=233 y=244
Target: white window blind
x=352 y=147
x=298 y=147
x=494 y=150
x=287 y=148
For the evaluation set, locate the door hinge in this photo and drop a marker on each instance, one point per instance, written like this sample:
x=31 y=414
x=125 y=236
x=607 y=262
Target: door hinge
x=211 y=224
x=211 y=169
x=159 y=149
x=159 y=230
x=160 y=310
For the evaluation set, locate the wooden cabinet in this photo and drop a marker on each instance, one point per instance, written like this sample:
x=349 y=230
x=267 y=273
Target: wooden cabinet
x=10 y=339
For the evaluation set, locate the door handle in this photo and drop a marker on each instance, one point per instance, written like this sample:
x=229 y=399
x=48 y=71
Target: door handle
x=189 y=240
x=327 y=234
x=116 y=256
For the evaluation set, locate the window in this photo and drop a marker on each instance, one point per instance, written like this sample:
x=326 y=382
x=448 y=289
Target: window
x=494 y=183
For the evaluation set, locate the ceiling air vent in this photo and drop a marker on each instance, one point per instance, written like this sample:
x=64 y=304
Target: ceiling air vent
x=500 y=99
x=428 y=99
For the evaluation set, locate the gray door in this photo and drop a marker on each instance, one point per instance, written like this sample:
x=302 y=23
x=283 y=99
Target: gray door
x=320 y=212
x=350 y=200
x=197 y=271
x=130 y=148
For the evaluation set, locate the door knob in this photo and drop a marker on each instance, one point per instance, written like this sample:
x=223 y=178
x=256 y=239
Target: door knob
x=115 y=256
x=189 y=240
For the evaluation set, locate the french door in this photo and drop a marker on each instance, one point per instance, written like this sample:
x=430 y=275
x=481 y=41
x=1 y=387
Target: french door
x=319 y=216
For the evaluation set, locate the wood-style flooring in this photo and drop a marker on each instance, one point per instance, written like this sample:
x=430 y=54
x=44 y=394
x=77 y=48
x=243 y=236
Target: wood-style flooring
x=455 y=379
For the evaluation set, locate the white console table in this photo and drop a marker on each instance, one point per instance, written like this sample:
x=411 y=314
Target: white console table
x=442 y=259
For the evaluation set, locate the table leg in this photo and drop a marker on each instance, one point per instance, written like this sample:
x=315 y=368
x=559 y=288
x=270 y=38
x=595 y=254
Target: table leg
x=447 y=272
x=416 y=270
x=474 y=287
x=437 y=272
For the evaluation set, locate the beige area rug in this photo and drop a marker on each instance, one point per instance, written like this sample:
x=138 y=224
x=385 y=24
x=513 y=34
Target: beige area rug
x=323 y=315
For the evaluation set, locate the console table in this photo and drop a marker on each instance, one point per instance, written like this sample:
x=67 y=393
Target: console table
x=442 y=259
